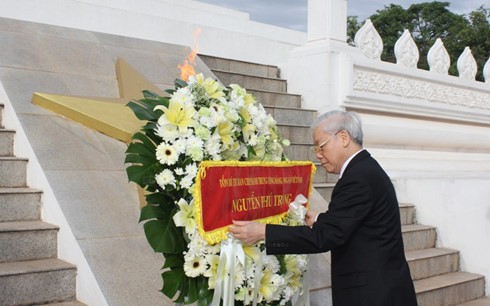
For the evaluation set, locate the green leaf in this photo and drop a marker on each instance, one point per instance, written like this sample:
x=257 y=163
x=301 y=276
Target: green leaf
x=163 y=236
x=173 y=261
x=141 y=112
x=153 y=212
x=139 y=148
x=173 y=281
x=141 y=175
x=180 y=83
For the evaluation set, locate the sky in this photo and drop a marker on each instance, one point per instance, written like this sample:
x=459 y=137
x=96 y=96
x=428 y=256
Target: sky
x=292 y=13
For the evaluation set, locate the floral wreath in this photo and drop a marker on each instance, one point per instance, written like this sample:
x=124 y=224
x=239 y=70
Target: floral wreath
x=203 y=120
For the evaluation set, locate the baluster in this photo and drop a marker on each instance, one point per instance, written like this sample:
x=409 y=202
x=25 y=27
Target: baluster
x=438 y=58
x=369 y=41
x=467 y=66
x=406 y=51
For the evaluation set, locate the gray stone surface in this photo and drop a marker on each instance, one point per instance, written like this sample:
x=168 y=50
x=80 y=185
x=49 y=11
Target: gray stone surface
x=86 y=169
x=126 y=280
x=19 y=204
x=27 y=240
x=16 y=168
x=6 y=142
x=40 y=282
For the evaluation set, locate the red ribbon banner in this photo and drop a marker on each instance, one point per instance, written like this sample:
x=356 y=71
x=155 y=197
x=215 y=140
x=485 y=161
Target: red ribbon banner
x=261 y=191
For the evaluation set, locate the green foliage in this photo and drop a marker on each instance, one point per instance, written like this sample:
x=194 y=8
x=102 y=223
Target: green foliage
x=427 y=22
x=160 y=230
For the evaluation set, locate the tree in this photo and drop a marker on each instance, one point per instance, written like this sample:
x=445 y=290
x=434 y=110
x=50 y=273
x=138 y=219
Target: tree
x=427 y=22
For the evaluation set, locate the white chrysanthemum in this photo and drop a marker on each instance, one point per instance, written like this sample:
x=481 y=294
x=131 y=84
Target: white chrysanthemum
x=179 y=171
x=203 y=132
x=186 y=182
x=196 y=153
x=183 y=95
x=271 y=263
x=167 y=132
x=166 y=154
x=213 y=147
x=164 y=178
x=194 y=266
x=179 y=145
x=194 y=142
x=191 y=169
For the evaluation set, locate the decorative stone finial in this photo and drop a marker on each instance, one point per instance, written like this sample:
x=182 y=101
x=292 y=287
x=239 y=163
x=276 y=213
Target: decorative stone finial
x=406 y=51
x=438 y=58
x=369 y=41
x=467 y=66
x=486 y=71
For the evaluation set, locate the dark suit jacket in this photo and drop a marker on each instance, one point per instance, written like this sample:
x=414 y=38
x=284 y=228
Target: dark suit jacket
x=362 y=230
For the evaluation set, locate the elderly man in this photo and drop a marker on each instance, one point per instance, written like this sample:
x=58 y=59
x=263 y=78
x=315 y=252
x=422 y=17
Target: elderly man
x=361 y=227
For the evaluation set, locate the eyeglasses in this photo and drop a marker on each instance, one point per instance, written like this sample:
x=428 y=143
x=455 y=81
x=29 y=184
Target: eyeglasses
x=318 y=148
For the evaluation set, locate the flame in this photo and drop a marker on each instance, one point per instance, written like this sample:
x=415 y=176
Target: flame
x=187 y=69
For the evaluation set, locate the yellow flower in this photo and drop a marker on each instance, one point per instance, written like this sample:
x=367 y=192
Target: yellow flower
x=248 y=130
x=185 y=216
x=225 y=130
x=245 y=114
x=177 y=115
x=252 y=252
x=269 y=285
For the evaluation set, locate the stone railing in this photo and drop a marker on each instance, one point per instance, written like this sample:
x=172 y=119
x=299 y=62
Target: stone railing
x=407 y=53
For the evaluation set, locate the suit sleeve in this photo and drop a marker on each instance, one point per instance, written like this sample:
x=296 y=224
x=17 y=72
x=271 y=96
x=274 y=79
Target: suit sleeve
x=351 y=202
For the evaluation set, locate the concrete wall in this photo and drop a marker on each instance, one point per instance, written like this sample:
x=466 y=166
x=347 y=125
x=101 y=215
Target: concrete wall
x=430 y=131
x=225 y=33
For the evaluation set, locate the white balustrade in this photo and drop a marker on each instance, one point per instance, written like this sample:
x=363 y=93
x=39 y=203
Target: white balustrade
x=369 y=41
x=438 y=58
x=486 y=71
x=466 y=64
x=406 y=51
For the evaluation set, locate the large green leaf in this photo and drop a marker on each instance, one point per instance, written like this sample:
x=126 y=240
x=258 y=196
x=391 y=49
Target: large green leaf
x=173 y=281
x=141 y=112
x=164 y=236
x=153 y=212
x=173 y=261
x=142 y=175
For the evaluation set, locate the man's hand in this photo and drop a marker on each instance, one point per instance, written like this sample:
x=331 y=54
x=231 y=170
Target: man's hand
x=247 y=231
x=310 y=217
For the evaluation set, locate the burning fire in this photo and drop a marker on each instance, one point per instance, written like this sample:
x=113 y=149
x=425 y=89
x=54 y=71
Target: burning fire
x=187 y=69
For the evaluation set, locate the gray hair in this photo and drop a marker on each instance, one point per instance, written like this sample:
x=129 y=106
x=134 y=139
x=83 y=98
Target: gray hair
x=339 y=120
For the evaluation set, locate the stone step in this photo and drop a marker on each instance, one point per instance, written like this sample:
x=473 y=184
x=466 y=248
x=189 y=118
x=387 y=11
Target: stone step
x=294 y=116
x=27 y=240
x=72 y=303
x=432 y=262
x=237 y=66
x=300 y=151
x=276 y=98
x=449 y=289
x=294 y=132
x=250 y=81
x=17 y=204
x=37 y=282
x=480 y=302
x=418 y=237
x=1 y=115
x=6 y=142
x=407 y=213
x=16 y=169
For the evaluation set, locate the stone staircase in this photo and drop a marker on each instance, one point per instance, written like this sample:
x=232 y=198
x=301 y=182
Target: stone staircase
x=30 y=273
x=435 y=270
